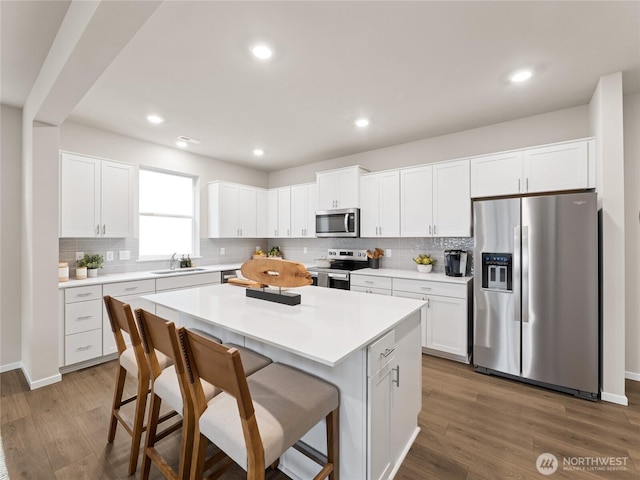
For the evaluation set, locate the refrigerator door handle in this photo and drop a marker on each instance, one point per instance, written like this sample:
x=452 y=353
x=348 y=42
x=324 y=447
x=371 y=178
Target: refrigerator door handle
x=525 y=274
x=517 y=250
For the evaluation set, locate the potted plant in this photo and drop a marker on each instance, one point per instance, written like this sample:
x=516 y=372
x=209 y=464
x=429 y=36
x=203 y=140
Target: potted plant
x=92 y=263
x=424 y=262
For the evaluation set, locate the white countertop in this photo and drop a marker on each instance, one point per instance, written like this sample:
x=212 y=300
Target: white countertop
x=412 y=275
x=326 y=327
x=129 y=276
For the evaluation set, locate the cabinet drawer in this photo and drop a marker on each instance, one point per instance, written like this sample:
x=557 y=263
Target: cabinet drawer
x=82 y=316
x=380 y=352
x=377 y=291
x=431 y=288
x=129 y=288
x=81 y=294
x=82 y=346
x=371 y=281
x=186 y=281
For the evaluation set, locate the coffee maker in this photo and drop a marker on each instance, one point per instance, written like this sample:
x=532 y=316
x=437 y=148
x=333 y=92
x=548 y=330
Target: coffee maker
x=457 y=263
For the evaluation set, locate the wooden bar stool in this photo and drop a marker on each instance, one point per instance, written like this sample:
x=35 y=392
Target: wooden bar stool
x=132 y=359
x=256 y=418
x=168 y=385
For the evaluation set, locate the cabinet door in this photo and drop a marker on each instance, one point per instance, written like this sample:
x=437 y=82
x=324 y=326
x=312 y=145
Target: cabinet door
x=494 y=175
x=228 y=208
x=423 y=312
x=284 y=212
x=557 y=167
x=327 y=190
x=262 y=224
x=247 y=211
x=312 y=207
x=379 y=423
x=348 y=188
x=451 y=199
x=272 y=213
x=447 y=325
x=79 y=196
x=416 y=202
x=389 y=224
x=298 y=211
x=369 y=205
x=117 y=198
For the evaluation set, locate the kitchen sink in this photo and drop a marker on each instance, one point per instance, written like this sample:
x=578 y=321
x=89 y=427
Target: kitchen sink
x=179 y=270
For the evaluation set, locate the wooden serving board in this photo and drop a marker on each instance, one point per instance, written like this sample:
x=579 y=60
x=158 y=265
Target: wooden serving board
x=276 y=273
x=243 y=282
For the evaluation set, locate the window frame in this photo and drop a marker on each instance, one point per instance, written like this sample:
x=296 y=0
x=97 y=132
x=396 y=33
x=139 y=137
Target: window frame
x=195 y=231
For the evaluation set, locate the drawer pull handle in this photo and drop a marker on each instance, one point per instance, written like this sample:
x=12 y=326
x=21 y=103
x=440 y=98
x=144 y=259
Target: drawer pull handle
x=84 y=347
x=397 y=380
x=425 y=288
x=368 y=281
x=131 y=288
x=387 y=352
x=84 y=294
x=86 y=317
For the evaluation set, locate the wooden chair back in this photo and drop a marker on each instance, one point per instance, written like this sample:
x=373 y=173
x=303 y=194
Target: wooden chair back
x=121 y=319
x=158 y=335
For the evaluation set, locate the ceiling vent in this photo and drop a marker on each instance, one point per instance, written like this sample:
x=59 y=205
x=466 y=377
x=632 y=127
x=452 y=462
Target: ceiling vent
x=189 y=140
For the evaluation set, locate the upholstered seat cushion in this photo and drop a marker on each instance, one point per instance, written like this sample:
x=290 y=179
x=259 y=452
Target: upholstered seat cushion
x=287 y=403
x=128 y=361
x=251 y=361
x=166 y=386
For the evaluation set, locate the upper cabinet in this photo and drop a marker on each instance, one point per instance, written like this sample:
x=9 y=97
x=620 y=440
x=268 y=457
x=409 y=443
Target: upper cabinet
x=304 y=203
x=561 y=166
x=232 y=210
x=96 y=197
x=435 y=200
x=380 y=204
x=262 y=213
x=279 y=212
x=339 y=188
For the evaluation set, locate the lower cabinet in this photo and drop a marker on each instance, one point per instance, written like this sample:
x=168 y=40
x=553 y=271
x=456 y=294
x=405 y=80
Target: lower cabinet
x=82 y=324
x=370 y=284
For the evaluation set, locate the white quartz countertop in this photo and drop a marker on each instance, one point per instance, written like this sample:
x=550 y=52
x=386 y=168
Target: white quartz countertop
x=412 y=275
x=328 y=326
x=129 y=276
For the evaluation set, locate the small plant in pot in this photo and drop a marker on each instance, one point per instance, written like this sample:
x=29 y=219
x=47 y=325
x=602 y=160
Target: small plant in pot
x=424 y=262
x=92 y=263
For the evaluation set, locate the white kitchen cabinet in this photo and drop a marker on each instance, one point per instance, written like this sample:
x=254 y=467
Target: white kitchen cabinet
x=380 y=204
x=82 y=324
x=339 y=188
x=556 y=167
x=304 y=203
x=96 y=197
x=370 y=284
x=232 y=210
x=127 y=292
x=262 y=213
x=435 y=200
x=279 y=212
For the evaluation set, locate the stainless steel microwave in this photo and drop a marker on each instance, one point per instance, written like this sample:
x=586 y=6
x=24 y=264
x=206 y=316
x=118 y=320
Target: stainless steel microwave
x=344 y=222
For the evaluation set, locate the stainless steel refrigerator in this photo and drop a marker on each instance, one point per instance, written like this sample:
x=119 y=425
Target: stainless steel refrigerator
x=536 y=291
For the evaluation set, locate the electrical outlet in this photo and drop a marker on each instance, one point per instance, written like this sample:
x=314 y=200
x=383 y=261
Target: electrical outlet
x=109 y=256
x=388 y=252
x=79 y=255
x=124 y=255
x=222 y=251
x=304 y=250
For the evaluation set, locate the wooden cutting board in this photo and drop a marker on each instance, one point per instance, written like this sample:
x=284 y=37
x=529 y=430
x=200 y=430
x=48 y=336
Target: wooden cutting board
x=243 y=282
x=276 y=273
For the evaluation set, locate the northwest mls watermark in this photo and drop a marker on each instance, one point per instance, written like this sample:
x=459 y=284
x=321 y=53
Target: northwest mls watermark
x=548 y=464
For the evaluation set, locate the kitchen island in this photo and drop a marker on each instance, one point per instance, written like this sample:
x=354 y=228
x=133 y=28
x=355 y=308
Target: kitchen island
x=368 y=346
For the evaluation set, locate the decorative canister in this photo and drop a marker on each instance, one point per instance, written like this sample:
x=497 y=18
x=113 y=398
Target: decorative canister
x=81 y=273
x=63 y=271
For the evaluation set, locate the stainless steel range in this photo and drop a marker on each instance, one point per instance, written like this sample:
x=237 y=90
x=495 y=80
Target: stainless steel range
x=342 y=262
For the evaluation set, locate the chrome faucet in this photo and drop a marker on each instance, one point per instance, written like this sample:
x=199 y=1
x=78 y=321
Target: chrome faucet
x=173 y=262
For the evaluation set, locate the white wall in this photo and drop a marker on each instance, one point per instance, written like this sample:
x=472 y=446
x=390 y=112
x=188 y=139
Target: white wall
x=78 y=138
x=550 y=127
x=632 y=232
x=10 y=218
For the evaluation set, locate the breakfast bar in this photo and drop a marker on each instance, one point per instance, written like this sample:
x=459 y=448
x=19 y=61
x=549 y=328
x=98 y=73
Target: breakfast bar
x=367 y=345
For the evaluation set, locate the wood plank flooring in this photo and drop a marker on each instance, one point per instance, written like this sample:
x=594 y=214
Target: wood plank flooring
x=473 y=427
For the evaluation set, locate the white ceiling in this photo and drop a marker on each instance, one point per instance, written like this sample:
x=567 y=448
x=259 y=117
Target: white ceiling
x=417 y=69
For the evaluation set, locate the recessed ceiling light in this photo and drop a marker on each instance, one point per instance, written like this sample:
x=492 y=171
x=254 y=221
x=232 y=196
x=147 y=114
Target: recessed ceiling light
x=262 y=51
x=521 y=76
x=258 y=152
x=362 y=122
x=182 y=144
x=155 y=119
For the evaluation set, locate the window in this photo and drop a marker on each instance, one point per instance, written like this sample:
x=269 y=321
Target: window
x=167 y=214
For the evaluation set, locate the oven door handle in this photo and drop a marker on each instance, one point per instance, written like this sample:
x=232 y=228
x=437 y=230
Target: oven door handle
x=339 y=276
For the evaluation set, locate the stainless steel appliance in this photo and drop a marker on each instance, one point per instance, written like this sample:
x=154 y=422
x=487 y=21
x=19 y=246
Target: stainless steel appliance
x=536 y=291
x=456 y=263
x=343 y=262
x=343 y=222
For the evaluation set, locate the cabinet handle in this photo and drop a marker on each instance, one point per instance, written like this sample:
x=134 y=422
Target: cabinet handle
x=427 y=302
x=397 y=380
x=380 y=230
x=104 y=229
x=288 y=232
x=387 y=352
x=83 y=294
x=434 y=229
x=275 y=233
x=131 y=288
x=518 y=185
x=425 y=288
x=97 y=229
x=84 y=347
x=429 y=229
x=86 y=317
x=368 y=281
x=526 y=183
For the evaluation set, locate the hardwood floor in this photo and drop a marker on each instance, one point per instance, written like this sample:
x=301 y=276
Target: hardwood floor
x=472 y=427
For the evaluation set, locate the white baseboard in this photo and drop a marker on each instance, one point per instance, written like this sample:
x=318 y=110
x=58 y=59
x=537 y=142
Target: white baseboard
x=632 y=376
x=43 y=382
x=404 y=453
x=10 y=366
x=613 y=398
